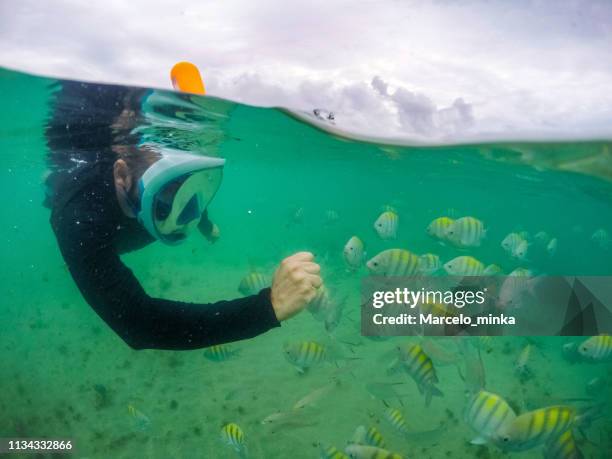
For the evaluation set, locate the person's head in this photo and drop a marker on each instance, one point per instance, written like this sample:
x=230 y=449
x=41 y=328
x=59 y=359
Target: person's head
x=169 y=192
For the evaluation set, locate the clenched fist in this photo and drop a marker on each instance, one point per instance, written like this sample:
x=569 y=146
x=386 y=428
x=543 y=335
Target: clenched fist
x=295 y=284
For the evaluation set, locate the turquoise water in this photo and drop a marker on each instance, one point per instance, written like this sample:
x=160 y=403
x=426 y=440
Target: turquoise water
x=66 y=374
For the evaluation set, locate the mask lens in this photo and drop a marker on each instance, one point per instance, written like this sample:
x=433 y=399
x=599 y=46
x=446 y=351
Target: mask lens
x=183 y=200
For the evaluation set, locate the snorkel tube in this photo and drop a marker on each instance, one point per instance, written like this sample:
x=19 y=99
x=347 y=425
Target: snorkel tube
x=186 y=78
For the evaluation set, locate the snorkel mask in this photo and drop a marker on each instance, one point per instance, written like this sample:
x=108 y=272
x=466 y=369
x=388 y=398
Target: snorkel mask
x=174 y=193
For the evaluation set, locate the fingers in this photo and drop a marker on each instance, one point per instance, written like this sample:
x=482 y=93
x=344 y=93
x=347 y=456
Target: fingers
x=311 y=268
x=315 y=281
x=302 y=256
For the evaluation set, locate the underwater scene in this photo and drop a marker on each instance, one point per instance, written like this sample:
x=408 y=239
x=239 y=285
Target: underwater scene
x=315 y=387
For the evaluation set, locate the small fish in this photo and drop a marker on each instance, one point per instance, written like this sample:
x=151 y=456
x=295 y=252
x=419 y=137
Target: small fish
x=474 y=375
x=420 y=367
x=386 y=225
x=439 y=227
x=562 y=447
x=486 y=413
x=521 y=272
x=331 y=452
x=438 y=309
x=535 y=428
x=601 y=238
x=369 y=437
x=464 y=266
x=320 y=303
x=369 y=452
x=396 y=419
x=353 y=252
x=313 y=397
x=428 y=264
x=520 y=367
x=305 y=354
x=232 y=435
x=551 y=247
x=252 y=284
x=521 y=250
x=466 y=232
x=597 y=348
x=141 y=421
x=219 y=352
x=394 y=262
x=331 y=216
x=511 y=242
x=385 y=390
x=492 y=270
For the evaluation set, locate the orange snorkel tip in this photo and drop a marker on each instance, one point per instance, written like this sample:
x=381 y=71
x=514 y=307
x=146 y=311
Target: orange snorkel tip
x=186 y=78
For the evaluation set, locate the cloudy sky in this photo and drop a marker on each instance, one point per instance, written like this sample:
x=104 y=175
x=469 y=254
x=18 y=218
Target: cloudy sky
x=438 y=69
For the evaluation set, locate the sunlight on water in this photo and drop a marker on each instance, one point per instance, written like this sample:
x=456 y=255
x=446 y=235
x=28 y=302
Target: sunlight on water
x=288 y=186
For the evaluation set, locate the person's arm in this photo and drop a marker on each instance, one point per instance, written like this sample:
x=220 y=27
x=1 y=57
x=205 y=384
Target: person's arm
x=144 y=322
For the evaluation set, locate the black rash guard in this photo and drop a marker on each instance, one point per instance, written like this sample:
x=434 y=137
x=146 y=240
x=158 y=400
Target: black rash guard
x=92 y=231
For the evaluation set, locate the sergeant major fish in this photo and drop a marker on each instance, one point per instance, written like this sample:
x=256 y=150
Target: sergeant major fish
x=420 y=367
x=252 y=284
x=464 y=266
x=232 y=435
x=597 y=348
x=535 y=428
x=439 y=227
x=386 y=225
x=393 y=262
x=466 y=232
x=428 y=264
x=562 y=447
x=353 y=252
x=486 y=413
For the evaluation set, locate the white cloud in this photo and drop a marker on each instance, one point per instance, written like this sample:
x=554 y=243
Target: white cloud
x=434 y=69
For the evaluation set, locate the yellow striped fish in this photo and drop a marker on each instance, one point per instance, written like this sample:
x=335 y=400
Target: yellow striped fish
x=535 y=428
x=562 y=447
x=396 y=419
x=305 y=354
x=369 y=437
x=421 y=368
x=219 y=352
x=466 y=232
x=511 y=242
x=394 y=262
x=386 y=225
x=141 y=420
x=597 y=348
x=492 y=270
x=464 y=266
x=353 y=252
x=486 y=413
x=429 y=263
x=331 y=452
x=520 y=272
x=252 y=284
x=439 y=227
x=232 y=435
x=369 y=452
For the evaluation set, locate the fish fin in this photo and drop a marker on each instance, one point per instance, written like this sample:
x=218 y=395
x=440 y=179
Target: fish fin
x=478 y=440
x=436 y=392
x=428 y=396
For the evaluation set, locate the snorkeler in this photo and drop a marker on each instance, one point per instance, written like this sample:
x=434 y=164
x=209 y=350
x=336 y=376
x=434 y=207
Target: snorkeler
x=108 y=197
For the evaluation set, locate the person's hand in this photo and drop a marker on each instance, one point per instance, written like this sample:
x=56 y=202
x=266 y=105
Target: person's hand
x=295 y=284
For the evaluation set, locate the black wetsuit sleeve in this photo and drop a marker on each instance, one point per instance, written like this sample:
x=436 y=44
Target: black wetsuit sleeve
x=143 y=322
